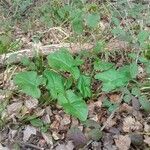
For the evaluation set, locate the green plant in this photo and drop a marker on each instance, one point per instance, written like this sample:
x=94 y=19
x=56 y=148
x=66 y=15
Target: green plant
x=63 y=80
x=60 y=62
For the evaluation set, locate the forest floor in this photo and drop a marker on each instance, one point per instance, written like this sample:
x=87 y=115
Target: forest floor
x=116 y=35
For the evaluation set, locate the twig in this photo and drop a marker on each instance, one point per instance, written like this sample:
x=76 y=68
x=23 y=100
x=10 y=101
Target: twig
x=16 y=57
x=30 y=145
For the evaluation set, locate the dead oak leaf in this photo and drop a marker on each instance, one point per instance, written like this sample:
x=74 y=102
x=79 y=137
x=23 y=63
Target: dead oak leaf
x=29 y=130
x=14 y=108
x=31 y=103
x=147 y=140
x=68 y=146
x=130 y=124
x=48 y=138
x=123 y=142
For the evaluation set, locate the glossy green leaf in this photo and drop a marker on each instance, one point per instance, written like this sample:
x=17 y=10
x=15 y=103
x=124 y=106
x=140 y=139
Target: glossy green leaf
x=73 y=105
x=55 y=83
x=29 y=83
x=62 y=60
x=92 y=20
x=84 y=84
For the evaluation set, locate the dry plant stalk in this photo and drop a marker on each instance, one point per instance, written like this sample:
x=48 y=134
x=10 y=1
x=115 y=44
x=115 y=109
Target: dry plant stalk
x=16 y=57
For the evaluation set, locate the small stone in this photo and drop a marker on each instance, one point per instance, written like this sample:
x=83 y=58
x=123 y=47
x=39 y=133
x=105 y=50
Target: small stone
x=136 y=139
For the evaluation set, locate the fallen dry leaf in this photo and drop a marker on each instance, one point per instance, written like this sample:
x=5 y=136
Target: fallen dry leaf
x=3 y=148
x=115 y=98
x=130 y=124
x=57 y=136
x=39 y=112
x=48 y=138
x=31 y=103
x=77 y=137
x=66 y=120
x=146 y=127
x=14 y=107
x=125 y=108
x=123 y=142
x=29 y=130
x=46 y=119
x=147 y=140
x=68 y=146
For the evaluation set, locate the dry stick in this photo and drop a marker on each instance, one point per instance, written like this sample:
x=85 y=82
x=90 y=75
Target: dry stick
x=30 y=145
x=16 y=57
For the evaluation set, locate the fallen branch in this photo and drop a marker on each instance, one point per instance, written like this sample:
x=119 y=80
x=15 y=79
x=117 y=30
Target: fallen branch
x=16 y=57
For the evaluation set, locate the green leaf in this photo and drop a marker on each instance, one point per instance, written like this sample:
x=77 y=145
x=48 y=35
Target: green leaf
x=55 y=83
x=145 y=103
x=135 y=91
x=77 y=25
x=77 y=20
x=113 y=107
x=92 y=124
x=73 y=105
x=84 y=84
x=62 y=60
x=133 y=70
x=106 y=103
x=95 y=134
x=37 y=122
x=147 y=67
x=68 y=83
x=112 y=79
x=127 y=98
x=92 y=20
x=29 y=83
x=102 y=65
x=121 y=34
x=142 y=36
x=116 y=21
x=99 y=47
x=141 y=59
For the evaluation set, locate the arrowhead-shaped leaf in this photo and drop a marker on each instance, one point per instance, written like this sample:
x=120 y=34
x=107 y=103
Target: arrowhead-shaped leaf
x=113 y=79
x=55 y=83
x=84 y=84
x=29 y=83
x=73 y=105
x=64 y=61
